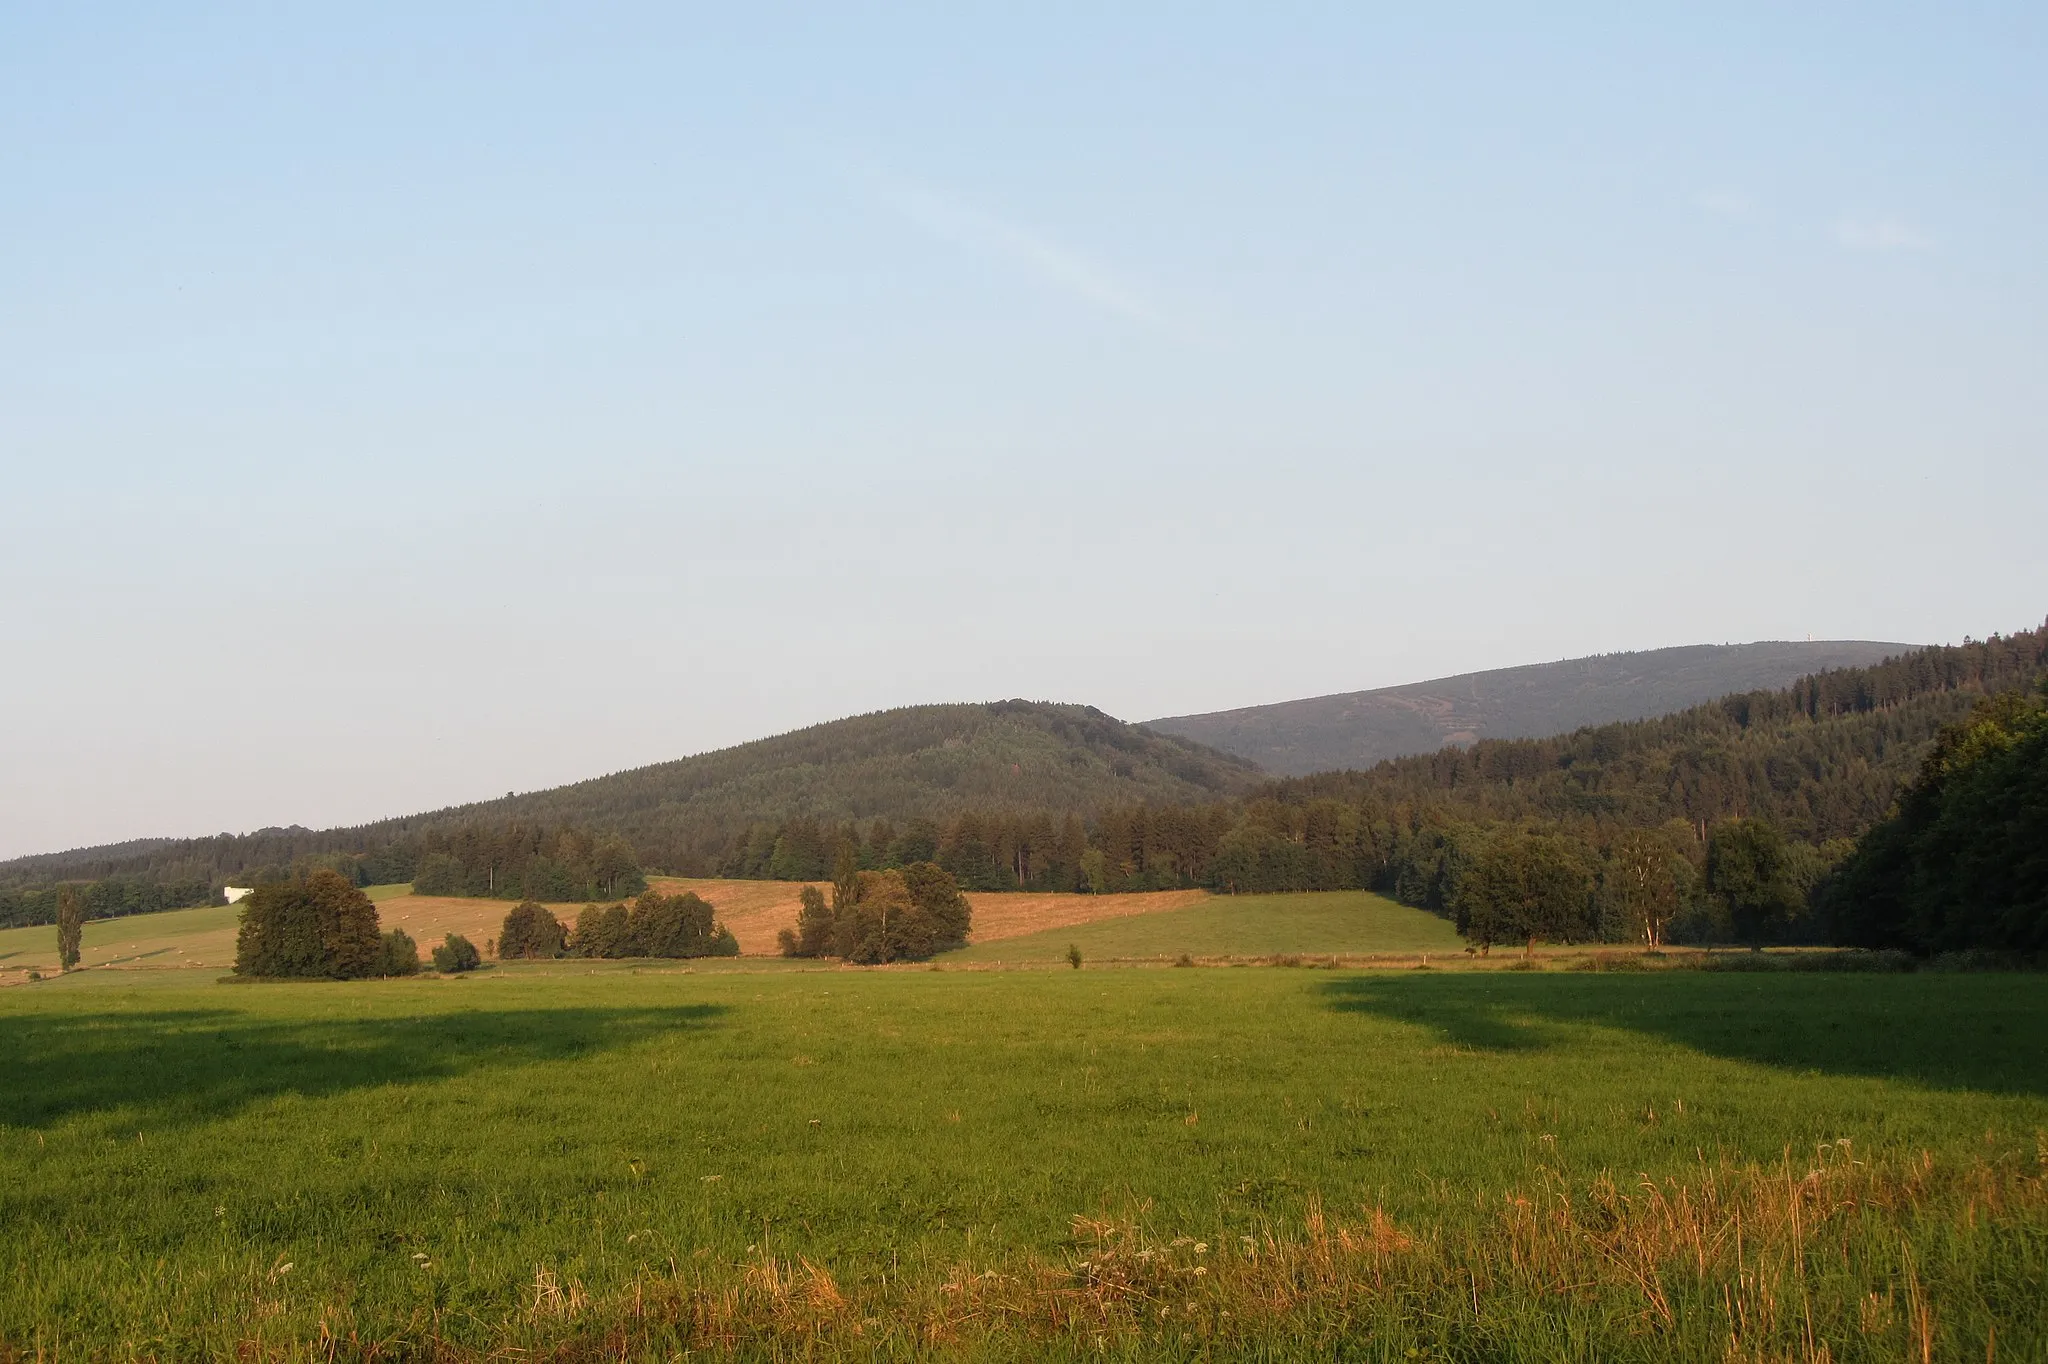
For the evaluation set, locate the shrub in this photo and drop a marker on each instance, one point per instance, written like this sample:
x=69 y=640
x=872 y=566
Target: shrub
x=1074 y=955
x=456 y=953
x=397 y=955
x=671 y=925
x=1986 y=959
x=1613 y=961
x=531 y=932
x=1740 y=961
x=320 y=926
x=1852 y=961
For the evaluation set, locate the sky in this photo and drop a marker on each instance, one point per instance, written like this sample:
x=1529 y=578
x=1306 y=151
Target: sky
x=402 y=405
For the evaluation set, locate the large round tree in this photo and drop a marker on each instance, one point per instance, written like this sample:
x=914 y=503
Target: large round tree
x=319 y=925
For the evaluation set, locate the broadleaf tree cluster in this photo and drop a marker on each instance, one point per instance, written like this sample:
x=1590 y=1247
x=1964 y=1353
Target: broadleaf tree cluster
x=907 y=914
x=315 y=926
x=653 y=925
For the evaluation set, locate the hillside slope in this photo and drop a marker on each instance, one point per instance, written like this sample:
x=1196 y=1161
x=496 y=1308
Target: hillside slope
x=918 y=762
x=1358 y=729
x=1821 y=759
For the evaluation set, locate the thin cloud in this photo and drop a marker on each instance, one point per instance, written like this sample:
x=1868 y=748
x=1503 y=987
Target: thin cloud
x=1880 y=234
x=952 y=220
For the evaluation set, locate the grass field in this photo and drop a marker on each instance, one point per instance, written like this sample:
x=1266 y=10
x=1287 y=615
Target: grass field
x=179 y=937
x=1343 y=922
x=754 y=910
x=1197 y=1163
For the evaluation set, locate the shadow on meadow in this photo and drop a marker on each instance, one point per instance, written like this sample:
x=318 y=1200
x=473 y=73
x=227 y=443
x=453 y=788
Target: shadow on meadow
x=1980 y=1032
x=190 y=1065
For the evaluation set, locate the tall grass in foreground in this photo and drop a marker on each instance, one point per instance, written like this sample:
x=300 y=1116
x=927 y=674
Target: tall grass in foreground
x=551 y=1165
x=1827 y=1259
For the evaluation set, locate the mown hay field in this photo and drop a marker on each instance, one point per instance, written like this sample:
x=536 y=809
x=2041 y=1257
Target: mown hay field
x=205 y=937
x=754 y=910
x=540 y=1161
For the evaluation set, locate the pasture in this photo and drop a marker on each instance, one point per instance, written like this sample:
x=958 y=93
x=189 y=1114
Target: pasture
x=1337 y=923
x=634 y=1162
x=754 y=910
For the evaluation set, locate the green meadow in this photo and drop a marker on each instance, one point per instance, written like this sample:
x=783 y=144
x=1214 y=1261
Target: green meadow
x=1197 y=1163
x=175 y=938
x=1344 y=922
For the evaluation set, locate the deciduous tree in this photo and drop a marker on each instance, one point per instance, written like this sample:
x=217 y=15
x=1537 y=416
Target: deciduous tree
x=531 y=932
x=320 y=925
x=70 y=926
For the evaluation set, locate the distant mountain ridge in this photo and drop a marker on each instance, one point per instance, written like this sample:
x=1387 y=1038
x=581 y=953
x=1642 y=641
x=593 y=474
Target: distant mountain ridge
x=915 y=762
x=932 y=762
x=1358 y=729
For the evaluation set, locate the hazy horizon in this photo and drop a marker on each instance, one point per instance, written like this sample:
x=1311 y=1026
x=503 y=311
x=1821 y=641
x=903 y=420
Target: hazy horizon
x=486 y=796
x=399 y=408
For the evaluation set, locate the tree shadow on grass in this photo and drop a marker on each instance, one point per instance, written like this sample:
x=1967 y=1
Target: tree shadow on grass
x=1987 y=1033
x=175 y=1066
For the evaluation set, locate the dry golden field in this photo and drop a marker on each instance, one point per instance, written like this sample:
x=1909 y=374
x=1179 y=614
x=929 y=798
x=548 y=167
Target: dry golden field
x=756 y=910
x=753 y=910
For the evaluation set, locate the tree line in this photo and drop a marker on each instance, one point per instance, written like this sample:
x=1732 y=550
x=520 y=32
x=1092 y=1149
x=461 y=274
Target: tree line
x=320 y=925
x=1650 y=824
x=112 y=898
x=1962 y=862
x=654 y=925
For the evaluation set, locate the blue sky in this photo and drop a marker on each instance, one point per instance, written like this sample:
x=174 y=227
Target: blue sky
x=397 y=409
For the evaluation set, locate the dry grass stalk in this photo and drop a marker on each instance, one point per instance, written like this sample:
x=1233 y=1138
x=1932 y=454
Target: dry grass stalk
x=1732 y=1241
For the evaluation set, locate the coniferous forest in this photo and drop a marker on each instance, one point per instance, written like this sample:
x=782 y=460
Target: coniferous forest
x=1737 y=820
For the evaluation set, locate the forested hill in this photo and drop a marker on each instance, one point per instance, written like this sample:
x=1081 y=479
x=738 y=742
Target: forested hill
x=918 y=762
x=1821 y=759
x=1358 y=729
